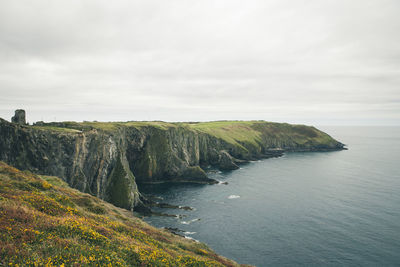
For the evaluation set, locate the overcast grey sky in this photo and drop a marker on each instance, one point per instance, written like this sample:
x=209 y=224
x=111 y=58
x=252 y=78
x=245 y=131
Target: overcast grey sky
x=313 y=62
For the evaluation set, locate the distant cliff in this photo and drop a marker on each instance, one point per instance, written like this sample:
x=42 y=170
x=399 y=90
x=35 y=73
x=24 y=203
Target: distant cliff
x=109 y=159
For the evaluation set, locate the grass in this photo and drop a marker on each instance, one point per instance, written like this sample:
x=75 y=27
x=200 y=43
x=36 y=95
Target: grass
x=56 y=129
x=70 y=126
x=112 y=126
x=44 y=222
x=159 y=124
x=234 y=132
x=295 y=133
x=242 y=134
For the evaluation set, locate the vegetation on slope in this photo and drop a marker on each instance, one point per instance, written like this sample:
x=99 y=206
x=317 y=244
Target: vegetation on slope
x=56 y=129
x=234 y=132
x=253 y=133
x=238 y=133
x=104 y=126
x=44 y=222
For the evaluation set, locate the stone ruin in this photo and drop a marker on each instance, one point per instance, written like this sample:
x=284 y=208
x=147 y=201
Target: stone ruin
x=19 y=117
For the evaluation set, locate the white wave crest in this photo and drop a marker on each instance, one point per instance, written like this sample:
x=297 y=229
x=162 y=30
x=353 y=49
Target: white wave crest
x=189 y=222
x=189 y=233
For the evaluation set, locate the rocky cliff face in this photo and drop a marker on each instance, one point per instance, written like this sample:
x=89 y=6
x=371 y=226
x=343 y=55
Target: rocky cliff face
x=109 y=159
x=93 y=161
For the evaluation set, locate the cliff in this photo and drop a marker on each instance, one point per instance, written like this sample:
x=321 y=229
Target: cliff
x=108 y=160
x=43 y=222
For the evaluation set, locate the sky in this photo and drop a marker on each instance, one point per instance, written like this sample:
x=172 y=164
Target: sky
x=331 y=62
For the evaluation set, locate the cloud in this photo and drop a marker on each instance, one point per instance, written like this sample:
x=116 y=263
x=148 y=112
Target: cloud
x=298 y=61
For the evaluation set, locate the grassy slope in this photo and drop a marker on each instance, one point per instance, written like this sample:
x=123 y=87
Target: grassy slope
x=43 y=221
x=234 y=132
x=251 y=131
x=56 y=129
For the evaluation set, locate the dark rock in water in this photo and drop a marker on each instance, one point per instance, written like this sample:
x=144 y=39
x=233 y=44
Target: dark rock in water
x=174 y=231
x=226 y=161
x=170 y=206
x=185 y=208
x=273 y=152
x=19 y=117
x=149 y=201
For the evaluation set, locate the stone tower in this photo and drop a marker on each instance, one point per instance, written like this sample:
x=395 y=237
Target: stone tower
x=19 y=117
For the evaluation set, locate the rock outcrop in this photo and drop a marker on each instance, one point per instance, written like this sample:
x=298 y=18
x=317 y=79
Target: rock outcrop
x=108 y=160
x=226 y=161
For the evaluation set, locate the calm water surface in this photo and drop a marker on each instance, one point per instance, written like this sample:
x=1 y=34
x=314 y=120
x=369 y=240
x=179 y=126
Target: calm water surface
x=304 y=209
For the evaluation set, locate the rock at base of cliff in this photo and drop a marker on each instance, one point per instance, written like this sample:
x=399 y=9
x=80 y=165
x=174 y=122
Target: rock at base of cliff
x=226 y=161
x=19 y=117
x=273 y=153
x=197 y=174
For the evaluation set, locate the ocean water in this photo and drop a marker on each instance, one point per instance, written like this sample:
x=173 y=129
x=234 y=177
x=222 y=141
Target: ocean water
x=337 y=208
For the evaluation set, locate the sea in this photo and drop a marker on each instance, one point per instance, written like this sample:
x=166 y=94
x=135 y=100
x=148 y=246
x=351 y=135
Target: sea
x=338 y=208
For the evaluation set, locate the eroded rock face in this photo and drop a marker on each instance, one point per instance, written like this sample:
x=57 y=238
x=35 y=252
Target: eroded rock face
x=102 y=163
x=226 y=161
x=91 y=161
x=19 y=117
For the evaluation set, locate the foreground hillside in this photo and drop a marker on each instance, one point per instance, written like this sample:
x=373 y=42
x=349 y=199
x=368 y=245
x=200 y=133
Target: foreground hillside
x=108 y=160
x=44 y=222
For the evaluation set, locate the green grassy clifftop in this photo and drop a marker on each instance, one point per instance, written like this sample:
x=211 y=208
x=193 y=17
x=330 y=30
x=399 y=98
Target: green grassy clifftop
x=234 y=132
